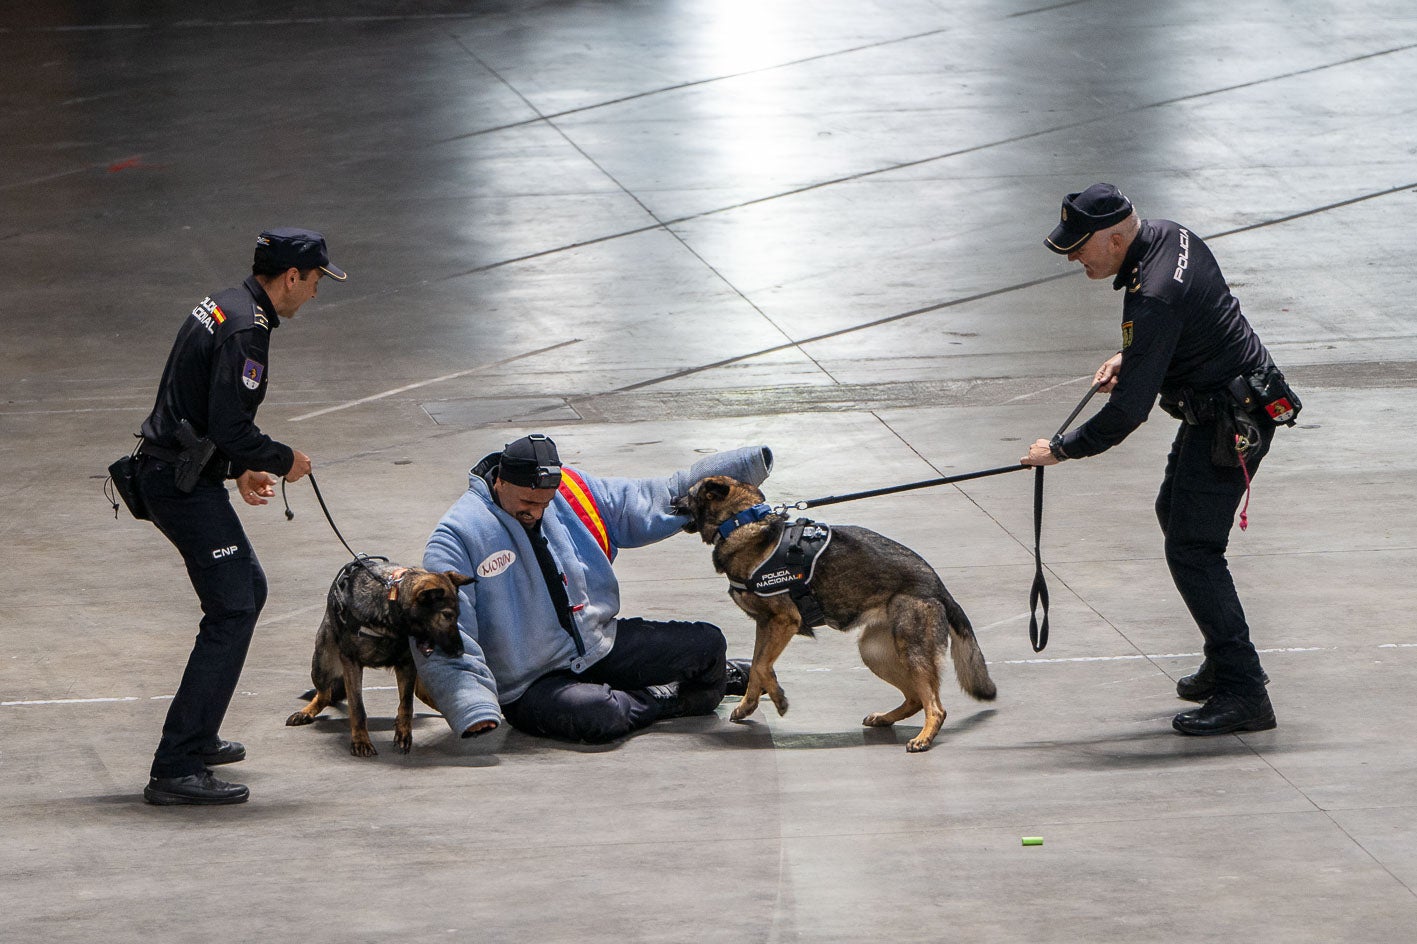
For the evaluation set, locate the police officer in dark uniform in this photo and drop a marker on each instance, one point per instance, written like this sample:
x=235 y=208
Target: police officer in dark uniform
x=1183 y=337
x=201 y=432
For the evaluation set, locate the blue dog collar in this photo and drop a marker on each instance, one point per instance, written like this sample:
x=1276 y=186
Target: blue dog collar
x=747 y=516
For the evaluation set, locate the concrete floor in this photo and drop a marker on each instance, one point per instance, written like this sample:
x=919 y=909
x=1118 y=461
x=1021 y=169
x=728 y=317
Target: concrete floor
x=656 y=229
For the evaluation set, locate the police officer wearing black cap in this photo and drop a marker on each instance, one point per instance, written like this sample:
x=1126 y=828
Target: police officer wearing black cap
x=1183 y=337
x=201 y=432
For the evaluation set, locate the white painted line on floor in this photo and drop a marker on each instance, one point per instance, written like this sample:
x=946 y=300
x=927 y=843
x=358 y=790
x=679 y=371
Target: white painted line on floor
x=99 y=701
x=1035 y=393
x=434 y=380
x=1128 y=658
x=1163 y=655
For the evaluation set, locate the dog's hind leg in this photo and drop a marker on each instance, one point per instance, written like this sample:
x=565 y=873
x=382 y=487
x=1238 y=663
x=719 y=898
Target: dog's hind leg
x=902 y=649
x=403 y=721
x=327 y=672
x=359 y=743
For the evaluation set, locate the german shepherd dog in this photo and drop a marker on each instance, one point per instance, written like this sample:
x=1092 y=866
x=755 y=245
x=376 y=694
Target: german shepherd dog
x=863 y=581
x=372 y=612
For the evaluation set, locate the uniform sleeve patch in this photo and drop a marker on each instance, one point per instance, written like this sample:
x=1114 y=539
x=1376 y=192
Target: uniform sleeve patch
x=1126 y=335
x=251 y=374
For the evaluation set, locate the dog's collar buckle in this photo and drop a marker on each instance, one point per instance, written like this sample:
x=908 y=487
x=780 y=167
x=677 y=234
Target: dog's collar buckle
x=746 y=516
x=393 y=580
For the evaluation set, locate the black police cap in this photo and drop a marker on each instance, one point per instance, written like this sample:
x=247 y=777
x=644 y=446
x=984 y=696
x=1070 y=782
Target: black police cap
x=288 y=247
x=530 y=462
x=1086 y=212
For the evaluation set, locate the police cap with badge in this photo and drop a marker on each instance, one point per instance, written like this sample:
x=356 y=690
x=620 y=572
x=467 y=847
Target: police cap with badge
x=288 y=247
x=1086 y=212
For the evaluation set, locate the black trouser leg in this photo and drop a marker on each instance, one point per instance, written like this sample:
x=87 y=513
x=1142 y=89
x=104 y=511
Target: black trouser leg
x=608 y=700
x=231 y=586
x=1196 y=508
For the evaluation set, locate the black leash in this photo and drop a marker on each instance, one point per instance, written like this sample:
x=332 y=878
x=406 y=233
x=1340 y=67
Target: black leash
x=363 y=559
x=1038 y=593
x=948 y=479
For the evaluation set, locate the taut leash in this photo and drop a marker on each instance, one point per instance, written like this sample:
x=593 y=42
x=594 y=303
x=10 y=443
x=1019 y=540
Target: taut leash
x=872 y=493
x=1038 y=594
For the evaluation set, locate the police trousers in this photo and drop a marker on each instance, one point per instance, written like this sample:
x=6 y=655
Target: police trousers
x=1196 y=509
x=231 y=587
x=608 y=700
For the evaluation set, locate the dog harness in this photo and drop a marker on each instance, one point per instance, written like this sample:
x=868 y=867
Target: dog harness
x=790 y=567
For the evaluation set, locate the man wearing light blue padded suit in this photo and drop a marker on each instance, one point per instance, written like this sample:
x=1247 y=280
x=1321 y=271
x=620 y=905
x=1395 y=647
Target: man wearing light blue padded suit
x=545 y=646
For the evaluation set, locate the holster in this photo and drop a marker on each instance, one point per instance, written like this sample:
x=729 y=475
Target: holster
x=1237 y=426
x=188 y=464
x=1237 y=434
x=124 y=473
x=1273 y=394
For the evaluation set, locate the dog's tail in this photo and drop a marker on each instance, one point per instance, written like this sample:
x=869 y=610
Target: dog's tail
x=970 y=669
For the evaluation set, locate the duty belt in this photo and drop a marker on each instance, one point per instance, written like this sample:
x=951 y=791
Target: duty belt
x=215 y=470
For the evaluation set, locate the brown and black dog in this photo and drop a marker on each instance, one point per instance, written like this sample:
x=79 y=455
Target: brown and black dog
x=863 y=581
x=372 y=612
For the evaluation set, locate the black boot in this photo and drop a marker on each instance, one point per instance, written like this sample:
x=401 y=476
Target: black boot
x=225 y=752
x=201 y=789
x=1200 y=685
x=1225 y=713
x=737 y=677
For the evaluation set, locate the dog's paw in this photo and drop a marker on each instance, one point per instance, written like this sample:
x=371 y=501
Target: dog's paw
x=877 y=720
x=404 y=742
x=362 y=749
x=743 y=709
x=779 y=701
x=917 y=744
x=299 y=718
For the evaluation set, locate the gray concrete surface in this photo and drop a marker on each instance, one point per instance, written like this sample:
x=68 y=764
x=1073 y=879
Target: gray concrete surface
x=655 y=229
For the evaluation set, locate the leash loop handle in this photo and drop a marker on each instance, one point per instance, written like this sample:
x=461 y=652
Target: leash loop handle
x=1038 y=594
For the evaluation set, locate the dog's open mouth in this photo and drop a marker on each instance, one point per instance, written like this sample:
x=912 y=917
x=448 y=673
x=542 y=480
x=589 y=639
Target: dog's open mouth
x=425 y=647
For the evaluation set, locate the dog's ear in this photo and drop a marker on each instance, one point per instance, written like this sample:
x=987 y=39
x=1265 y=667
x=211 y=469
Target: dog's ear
x=430 y=594
x=459 y=579
x=715 y=489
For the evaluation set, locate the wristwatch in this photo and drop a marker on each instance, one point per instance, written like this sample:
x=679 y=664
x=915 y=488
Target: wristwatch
x=1055 y=446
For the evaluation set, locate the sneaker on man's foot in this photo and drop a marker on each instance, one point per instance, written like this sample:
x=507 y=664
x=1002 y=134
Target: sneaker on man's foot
x=667 y=698
x=737 y=677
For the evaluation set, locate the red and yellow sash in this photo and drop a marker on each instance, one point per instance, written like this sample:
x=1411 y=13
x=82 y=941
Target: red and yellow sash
x=577 y=494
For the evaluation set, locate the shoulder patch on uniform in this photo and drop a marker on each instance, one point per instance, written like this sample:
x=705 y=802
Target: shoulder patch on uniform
x=209 y=313
x=261 y=320
x=251 y=374
x=1126 y=335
